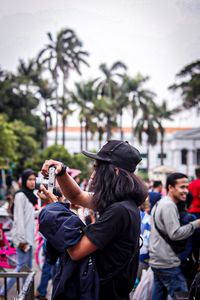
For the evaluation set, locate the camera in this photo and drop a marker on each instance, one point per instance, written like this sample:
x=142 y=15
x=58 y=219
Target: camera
x=48 y=182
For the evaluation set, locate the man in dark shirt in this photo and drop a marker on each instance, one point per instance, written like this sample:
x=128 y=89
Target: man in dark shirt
x=116 y=195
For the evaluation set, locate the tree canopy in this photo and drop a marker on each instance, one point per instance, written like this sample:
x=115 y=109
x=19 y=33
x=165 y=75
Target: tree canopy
x=8 y=145
x=189 y=85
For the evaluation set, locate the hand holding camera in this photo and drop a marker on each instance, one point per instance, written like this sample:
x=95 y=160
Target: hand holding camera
x=46 y=195
x=46 y=185
x=70 y=189
x=47 y=181
x=49 y=163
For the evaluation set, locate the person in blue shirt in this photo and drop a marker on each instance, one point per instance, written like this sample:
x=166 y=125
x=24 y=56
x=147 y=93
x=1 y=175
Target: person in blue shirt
x=145 y=229
x=155 y=195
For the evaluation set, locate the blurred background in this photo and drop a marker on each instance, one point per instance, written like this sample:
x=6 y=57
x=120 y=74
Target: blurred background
x=74 y=74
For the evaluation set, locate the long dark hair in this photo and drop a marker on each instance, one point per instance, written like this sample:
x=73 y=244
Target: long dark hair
x=109 y=186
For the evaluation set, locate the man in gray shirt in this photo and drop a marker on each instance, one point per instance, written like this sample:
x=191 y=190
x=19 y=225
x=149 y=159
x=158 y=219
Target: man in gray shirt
x=165 y=263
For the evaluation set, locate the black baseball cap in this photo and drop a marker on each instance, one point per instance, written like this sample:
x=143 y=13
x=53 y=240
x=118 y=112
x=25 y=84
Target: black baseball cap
x=120 y=154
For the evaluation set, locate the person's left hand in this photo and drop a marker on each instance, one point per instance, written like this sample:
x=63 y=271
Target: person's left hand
x=46 y=196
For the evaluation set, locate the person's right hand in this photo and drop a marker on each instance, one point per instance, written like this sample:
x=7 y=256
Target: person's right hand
x=46 y=195
x=22 y=246
x=49 y=163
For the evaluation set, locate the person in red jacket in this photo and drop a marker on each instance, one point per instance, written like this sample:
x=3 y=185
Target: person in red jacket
x=194 y=188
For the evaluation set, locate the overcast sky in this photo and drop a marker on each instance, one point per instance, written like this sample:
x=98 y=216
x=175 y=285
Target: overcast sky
x=153 y=37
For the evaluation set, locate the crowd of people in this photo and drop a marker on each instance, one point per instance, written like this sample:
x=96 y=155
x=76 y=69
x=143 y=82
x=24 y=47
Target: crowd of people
x=101 y=235
x=174 y=238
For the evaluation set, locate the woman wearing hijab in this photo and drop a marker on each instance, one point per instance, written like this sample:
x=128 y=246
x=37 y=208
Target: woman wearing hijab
x=24 y=223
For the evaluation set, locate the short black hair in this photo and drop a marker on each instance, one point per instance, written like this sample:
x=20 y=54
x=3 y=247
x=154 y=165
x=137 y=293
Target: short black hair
x=157 y=183
x=172 y=178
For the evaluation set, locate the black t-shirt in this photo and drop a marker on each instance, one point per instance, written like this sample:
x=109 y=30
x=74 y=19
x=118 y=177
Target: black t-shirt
x=116 y=235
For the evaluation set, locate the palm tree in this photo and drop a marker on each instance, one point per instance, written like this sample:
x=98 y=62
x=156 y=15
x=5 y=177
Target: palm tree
x=121 y=102
x=64 y=110
x=137 y=94
x=107 y=88
x=151 y=123
x=84 y=97
x=147 y=124
x=62 y=55
x=46 y=92
x=28 y=73
x=162 y=112
x=190 y=87
x=103 y=109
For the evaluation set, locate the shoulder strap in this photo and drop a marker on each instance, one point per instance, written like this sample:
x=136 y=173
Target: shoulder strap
x=164 y=236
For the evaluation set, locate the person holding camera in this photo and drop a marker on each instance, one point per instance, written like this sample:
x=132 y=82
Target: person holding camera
x=116 y=193
x=168 y=239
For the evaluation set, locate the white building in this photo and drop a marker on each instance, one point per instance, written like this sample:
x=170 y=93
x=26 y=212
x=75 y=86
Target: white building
x=181 y=147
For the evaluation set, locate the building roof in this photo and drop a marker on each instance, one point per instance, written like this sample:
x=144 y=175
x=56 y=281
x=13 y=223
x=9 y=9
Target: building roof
x=192 y=134
x=125 y=129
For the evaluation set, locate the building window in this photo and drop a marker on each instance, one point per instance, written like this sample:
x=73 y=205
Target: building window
x=144 y=155
x=198 y=156
x=184 y=154
x=164 y=155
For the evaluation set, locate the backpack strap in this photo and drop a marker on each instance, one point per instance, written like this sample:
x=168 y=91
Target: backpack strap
x=164 y=236
x=176 y=246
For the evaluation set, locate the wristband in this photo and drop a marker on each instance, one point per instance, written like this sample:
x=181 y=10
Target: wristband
x=62 y=171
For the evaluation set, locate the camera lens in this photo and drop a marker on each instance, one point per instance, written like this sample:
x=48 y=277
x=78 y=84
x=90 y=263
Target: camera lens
x=39 y=181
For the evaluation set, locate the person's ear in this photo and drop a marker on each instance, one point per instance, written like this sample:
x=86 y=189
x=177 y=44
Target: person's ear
x=170 y=188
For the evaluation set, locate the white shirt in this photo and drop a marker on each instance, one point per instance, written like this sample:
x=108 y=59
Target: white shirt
x=24 y=223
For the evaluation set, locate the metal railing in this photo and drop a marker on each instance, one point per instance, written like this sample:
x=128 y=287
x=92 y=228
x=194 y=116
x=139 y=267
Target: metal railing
x=27 y=290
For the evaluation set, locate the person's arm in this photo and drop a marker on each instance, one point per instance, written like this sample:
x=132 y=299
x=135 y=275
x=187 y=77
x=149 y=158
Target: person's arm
x=68 y=185
x=82 y=249
x=99 y=234
x=19 y=220
x=173 y=227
